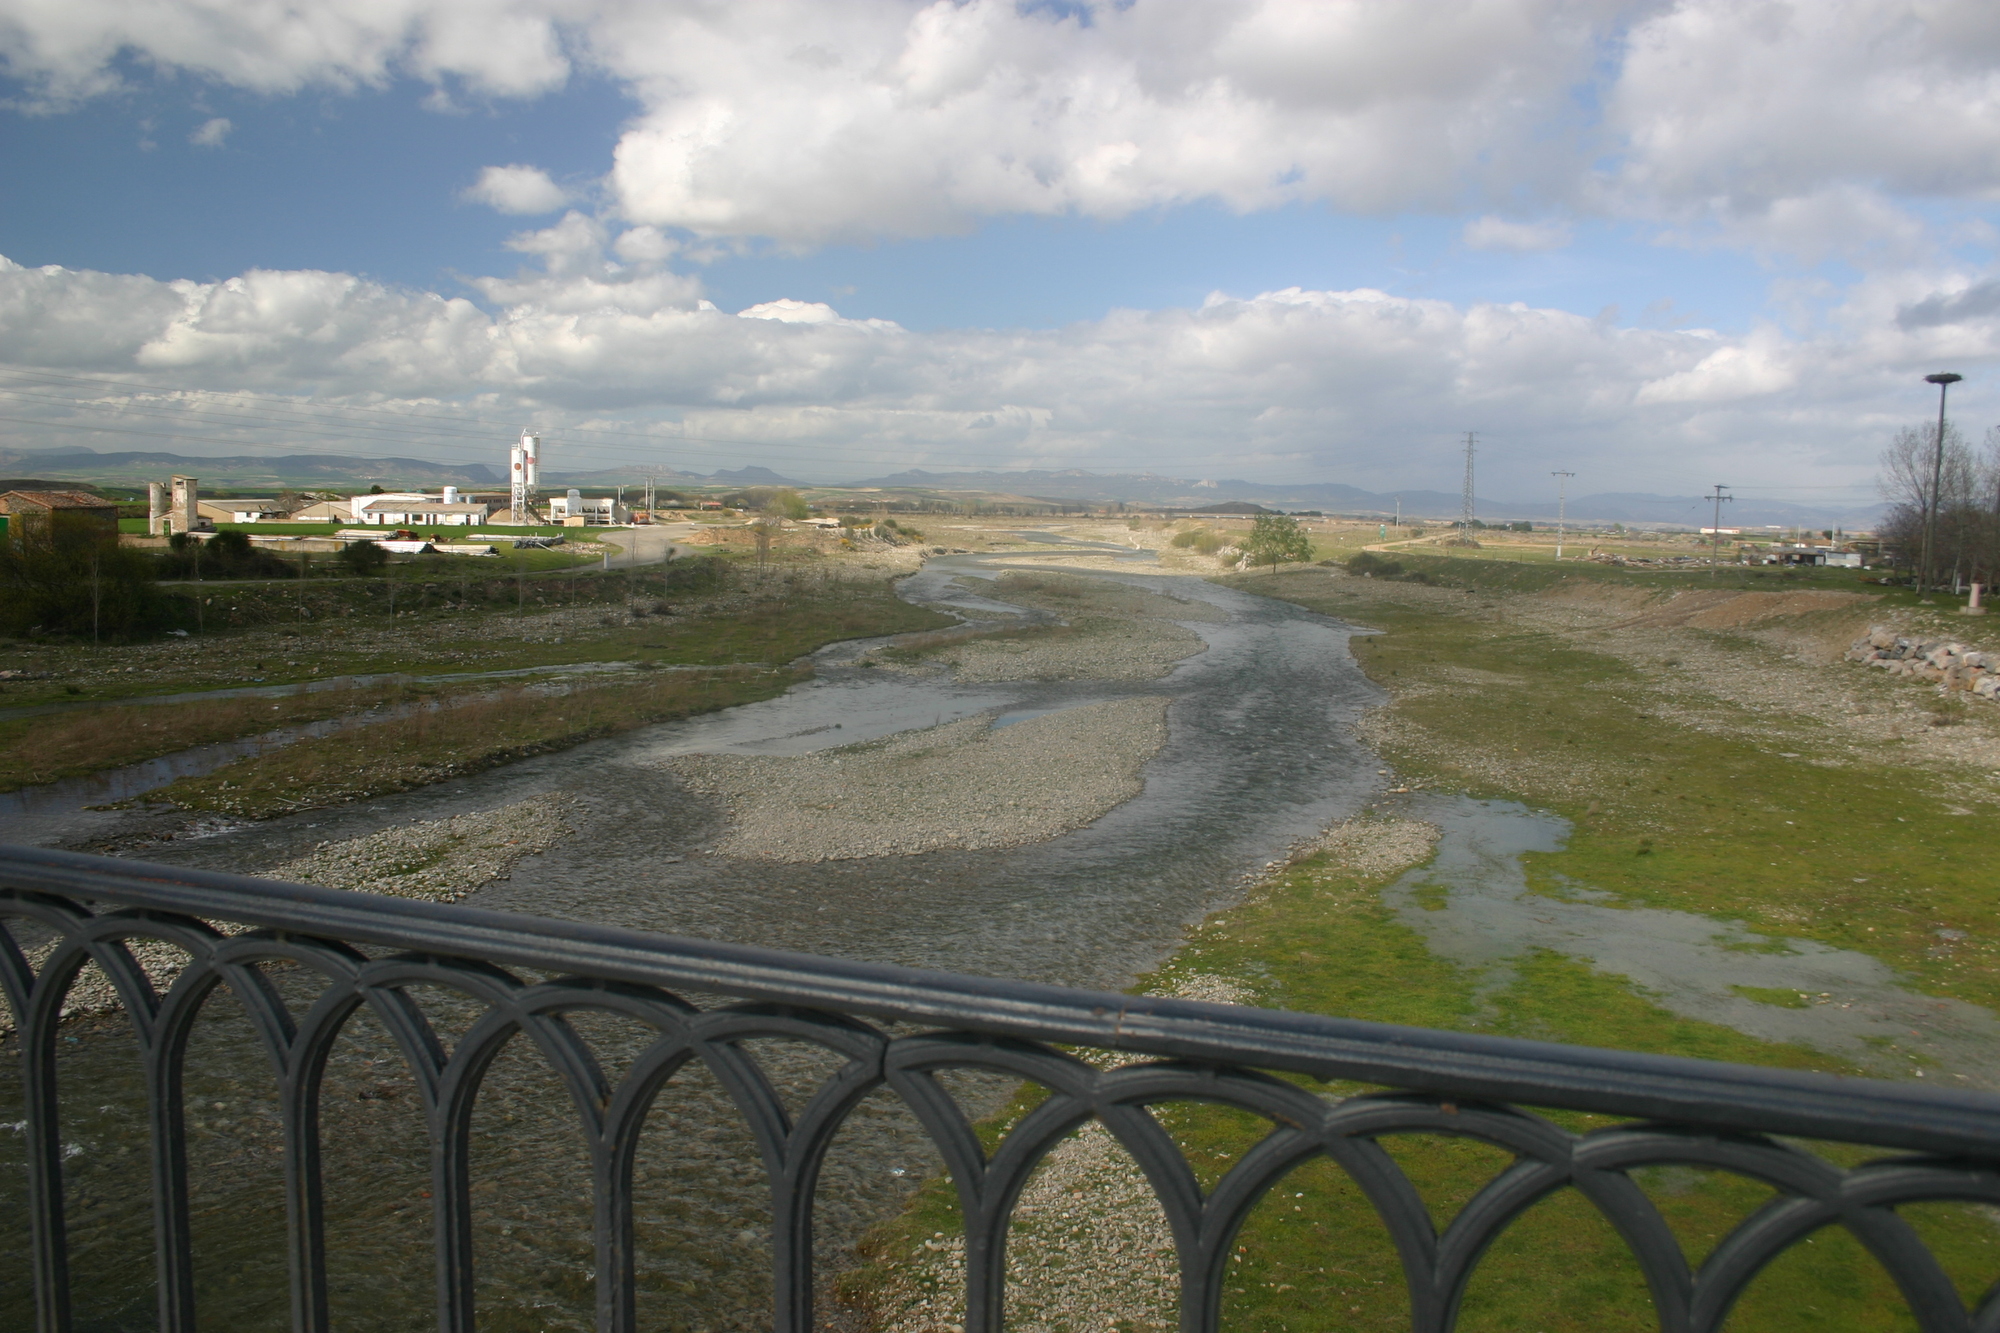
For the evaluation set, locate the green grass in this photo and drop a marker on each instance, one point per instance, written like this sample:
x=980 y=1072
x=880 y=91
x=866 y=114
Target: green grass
x=1314 y=1254
x=1716 y=821
x=432 y=747
x=771 y=629
x=1713 y=821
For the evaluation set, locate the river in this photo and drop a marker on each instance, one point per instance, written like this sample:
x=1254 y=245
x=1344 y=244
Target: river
x=1259 y=754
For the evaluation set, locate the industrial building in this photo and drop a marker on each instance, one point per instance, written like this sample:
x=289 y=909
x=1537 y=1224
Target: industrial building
x=577 y=510
x=405 y=509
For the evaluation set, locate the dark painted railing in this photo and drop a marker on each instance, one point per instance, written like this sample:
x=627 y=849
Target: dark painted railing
x=369 y=951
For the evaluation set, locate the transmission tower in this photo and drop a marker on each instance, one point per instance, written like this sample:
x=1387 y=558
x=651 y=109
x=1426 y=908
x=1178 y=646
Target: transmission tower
x=1562 y=484
x=1715 y=533
x=1465 y=501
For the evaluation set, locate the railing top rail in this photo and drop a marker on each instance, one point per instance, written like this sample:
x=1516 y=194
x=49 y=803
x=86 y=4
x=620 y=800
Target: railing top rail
x=1451 y=1064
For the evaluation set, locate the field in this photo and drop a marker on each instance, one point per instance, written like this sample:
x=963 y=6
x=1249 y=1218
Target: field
x=448 y=634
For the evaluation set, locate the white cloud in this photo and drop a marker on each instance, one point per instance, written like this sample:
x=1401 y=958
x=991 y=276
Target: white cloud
x=509 y=47
x=1355 y=386
x=212 y=133
x=1496 y=233
x=1796 y=127
x=516 y=189
x=810 y=123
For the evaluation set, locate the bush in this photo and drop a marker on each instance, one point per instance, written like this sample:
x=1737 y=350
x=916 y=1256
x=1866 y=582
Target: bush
x=226 y=555
x=1372 y=565
x=69 y=575
x=362 y=558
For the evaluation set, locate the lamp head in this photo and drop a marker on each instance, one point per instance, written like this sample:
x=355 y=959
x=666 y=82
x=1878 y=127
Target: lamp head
x=1946 y=378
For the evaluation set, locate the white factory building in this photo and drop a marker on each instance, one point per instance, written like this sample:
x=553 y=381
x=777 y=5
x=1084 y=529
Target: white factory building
x=576 y=510
x=412 y=509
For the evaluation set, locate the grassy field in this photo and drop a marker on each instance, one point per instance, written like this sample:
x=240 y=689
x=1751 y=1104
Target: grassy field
x=1677 y=800
x=432 y=746
x=35 y=750
x=618 y=617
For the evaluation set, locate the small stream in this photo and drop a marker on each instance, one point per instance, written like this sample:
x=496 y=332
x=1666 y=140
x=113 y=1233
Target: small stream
x=1472 y=903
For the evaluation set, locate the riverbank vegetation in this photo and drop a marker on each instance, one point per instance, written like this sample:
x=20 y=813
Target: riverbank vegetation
x=437 y=643
x=470 y=736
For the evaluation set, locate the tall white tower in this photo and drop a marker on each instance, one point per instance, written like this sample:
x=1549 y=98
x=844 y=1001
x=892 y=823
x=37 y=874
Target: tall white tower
x=526 y=471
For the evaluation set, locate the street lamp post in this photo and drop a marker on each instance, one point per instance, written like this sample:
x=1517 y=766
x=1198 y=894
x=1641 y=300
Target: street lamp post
x=1944 y=382
x=1562 y=481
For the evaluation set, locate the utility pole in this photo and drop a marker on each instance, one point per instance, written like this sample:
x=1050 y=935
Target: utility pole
x=1465 y=501
x=1562 y=481
x=1944 y=382
x=1399 y=513
x=1715 y=532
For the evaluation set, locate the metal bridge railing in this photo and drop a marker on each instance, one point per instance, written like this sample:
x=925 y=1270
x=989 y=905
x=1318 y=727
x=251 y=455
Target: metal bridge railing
x=368 y=952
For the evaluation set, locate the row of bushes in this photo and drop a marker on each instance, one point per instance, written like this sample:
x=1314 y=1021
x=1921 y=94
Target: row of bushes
x=74 y=579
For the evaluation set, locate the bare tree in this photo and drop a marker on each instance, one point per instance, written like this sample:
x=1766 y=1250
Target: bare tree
x=1966 y=540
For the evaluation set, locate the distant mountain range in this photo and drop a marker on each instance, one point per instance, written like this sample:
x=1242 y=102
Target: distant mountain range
x=337 y=471
x=313 y=471
x=326 y=471
x=1152 y=489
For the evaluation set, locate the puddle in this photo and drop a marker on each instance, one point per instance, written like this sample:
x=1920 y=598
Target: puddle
x=1472 y=904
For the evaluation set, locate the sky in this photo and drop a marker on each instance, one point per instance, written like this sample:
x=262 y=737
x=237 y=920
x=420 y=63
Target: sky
x=1659 y=245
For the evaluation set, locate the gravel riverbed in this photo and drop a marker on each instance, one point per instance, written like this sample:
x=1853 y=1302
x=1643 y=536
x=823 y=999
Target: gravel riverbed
x=965 y=785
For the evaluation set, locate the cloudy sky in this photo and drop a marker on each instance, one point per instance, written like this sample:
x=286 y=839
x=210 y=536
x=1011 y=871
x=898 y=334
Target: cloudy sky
x=1660 y=245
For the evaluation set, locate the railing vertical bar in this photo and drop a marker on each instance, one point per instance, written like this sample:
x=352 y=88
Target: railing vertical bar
x=166 y=1113
x=611 y=1223
x=50 y=1236
x=305 y=1198
x=451 y=1209
x=792 y=1249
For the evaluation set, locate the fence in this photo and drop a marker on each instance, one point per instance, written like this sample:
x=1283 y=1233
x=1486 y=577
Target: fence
x=366 y=951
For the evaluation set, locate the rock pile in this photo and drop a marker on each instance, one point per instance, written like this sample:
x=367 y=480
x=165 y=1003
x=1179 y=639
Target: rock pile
x=1945 y=662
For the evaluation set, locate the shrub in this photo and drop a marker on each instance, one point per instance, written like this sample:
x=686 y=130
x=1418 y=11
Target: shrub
x=226 y=555
x=69 y=575
x=362 y=558
x=1373 y=565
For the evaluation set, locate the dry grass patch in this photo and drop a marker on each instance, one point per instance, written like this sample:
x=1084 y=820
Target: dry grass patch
x=35 y=750
x=434 y=745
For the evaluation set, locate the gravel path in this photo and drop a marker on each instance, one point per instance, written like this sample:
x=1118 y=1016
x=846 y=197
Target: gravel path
x=966 y=784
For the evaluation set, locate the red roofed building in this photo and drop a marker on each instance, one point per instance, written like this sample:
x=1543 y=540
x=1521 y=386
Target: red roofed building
x=22 y=508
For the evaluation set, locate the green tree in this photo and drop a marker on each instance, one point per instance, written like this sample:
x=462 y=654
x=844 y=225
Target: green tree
x=362 y=558
x=67 y=574
x=1275 y=538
